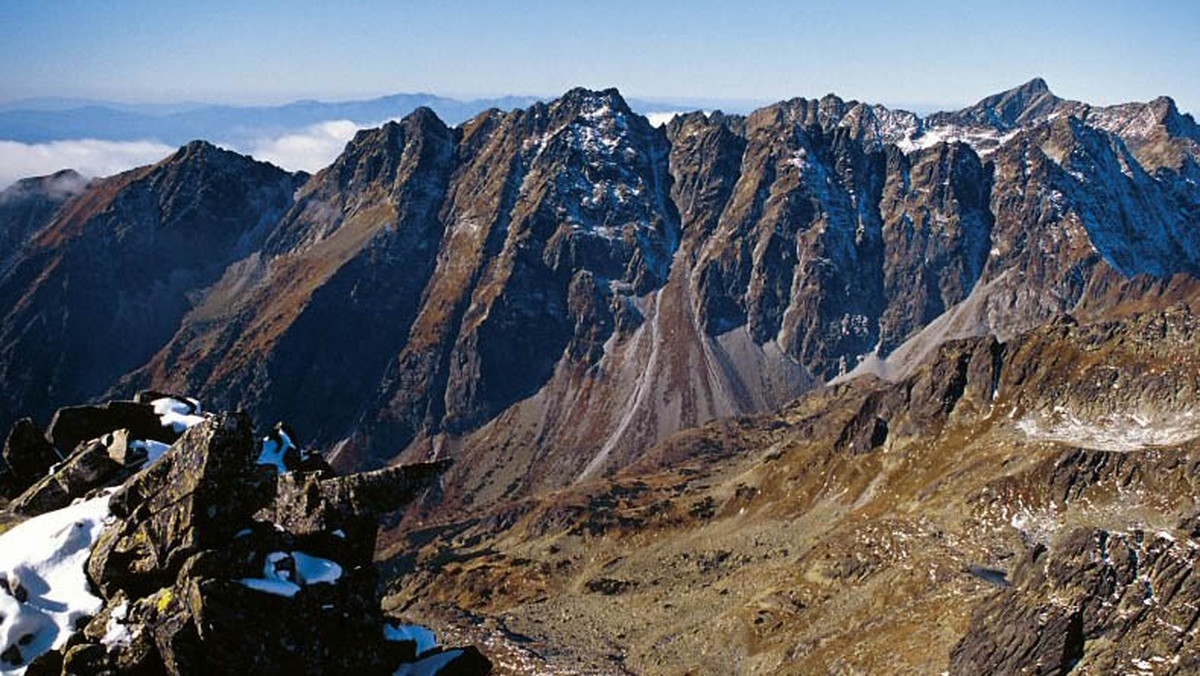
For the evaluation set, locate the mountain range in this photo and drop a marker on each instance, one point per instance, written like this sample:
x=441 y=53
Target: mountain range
x=549 y=295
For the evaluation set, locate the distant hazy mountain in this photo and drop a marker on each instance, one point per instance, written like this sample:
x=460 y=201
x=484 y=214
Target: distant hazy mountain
x=61 y=103
x=40 y=120
x=46 y=120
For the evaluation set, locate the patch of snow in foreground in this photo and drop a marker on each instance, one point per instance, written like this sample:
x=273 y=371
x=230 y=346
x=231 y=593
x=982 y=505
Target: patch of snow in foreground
x=1113 y=432
x=178 y=414
x=429 y=666
x=276 y=587
x=274 y=450
x=315 y=570
x=116 y=631
x=154 y=449
x=425 y=639
x=45 y=557
x=278 y=578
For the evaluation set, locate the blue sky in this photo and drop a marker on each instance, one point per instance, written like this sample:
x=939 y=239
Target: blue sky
x=926 y=54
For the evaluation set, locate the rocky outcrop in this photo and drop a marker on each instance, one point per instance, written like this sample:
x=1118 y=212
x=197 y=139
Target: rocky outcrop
x=1095 y=602
x=92 y=465
x=197 y=497
x=85 y=448
x=74 y=425
x=226 y=554
x=26 y=458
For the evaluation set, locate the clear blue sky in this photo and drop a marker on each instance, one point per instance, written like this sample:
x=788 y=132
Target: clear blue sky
x=926 y=53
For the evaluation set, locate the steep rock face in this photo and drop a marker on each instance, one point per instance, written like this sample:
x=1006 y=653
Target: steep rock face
x=844 y=237
x=1096 y=199
x=436 y=253
x=1074 y=222
x=658 y=370
x=309 y=322
x=937 y=232
x=101 y=287
x=539 y=197
x=797 y=254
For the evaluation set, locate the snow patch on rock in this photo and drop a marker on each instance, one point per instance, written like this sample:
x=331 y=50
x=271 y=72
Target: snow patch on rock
x=425 y=639
x=1122 y=432
x=285 y=573
x=154 y=449
x=430 y=666
x=46 y=593
x=178 y=414
x=116 y=631
x=983 y=139
x=273 y=451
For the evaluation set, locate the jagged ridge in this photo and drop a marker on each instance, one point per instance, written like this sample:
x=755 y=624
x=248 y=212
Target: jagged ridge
x=569 y=281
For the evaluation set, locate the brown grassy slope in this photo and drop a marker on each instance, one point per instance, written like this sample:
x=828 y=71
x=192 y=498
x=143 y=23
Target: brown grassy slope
x=808 y=541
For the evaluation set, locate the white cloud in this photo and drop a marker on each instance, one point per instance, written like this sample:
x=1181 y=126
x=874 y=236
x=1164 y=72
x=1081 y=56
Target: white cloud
x=59 y=187
x=657 y=119
x=310 y=149
x=90 y=157
x=663 y=117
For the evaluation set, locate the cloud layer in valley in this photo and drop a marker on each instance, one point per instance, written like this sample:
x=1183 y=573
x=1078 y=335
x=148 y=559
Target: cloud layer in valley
x=308 y=149
x=89 y=157
x=661 y=118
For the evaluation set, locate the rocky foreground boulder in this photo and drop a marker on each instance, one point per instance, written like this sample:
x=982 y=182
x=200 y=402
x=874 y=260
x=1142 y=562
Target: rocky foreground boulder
x=191 y=546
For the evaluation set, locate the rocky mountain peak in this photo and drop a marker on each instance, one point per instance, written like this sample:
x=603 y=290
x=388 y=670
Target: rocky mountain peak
x=1015 y=106
x=199 y=149
x=1024 y=93
x=27 y=205
x=423 y=115
x=420 y=120
x=593 y=101
x=375 y=155
x=1175 y=122
x=200 y=164
x=598 y=121
x=1035 y=87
